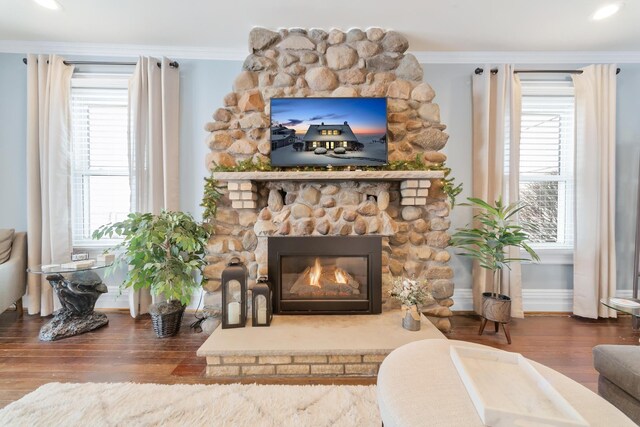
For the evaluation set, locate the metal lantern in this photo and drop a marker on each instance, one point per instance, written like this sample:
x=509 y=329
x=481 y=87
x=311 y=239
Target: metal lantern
x=234 y=295
x=262 y=297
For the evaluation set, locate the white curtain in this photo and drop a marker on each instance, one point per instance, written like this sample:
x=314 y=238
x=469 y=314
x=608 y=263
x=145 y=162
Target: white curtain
x=497 y=108
x=594 y=263
x=48 y=173
x=154 y=146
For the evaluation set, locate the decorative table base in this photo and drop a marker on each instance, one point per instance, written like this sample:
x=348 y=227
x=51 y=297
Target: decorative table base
x=67 y=324
x=78 y=293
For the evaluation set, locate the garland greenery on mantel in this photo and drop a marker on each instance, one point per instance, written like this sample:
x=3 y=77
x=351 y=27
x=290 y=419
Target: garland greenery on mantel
x=210 y=198
x=212 y=194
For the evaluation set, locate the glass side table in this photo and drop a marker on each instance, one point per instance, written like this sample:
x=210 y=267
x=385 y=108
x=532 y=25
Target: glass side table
x=78 y=289
x=625 y=305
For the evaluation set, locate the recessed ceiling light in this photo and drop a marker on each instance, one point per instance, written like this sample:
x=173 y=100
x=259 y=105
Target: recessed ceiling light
x=49 y=4
x=606 y=11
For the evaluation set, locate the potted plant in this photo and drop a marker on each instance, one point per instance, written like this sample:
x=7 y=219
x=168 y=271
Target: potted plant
x=487 y=242
x=163 y=252
x=410 y=293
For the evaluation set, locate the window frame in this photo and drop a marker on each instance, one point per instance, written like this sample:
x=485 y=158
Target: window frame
x=99 y=81
x=553 y=253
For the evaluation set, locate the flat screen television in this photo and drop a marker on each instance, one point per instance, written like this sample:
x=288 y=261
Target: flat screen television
x=328 y=131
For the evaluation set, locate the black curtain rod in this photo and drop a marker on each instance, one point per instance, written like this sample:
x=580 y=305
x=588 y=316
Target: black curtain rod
x=173 y=64
x=495 y=71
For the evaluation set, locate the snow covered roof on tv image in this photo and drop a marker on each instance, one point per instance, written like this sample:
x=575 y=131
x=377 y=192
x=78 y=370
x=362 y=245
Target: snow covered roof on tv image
x=314 y=133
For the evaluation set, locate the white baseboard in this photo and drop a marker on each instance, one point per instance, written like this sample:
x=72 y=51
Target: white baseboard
x=113 y=299
x=462 y=299
x=559 y=300
x=552 y=300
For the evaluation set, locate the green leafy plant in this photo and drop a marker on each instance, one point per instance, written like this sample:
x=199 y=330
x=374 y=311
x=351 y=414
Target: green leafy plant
x=495 y=231
x=450 y=188
x=163 y=252
x=247 y=165
x=210 y=198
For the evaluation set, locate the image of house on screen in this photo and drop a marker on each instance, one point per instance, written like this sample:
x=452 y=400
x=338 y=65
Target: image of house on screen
x=281 y=137
x=330 y=137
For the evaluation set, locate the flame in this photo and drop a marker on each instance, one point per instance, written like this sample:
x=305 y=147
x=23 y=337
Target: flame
x=340 y=277
x=314 y=276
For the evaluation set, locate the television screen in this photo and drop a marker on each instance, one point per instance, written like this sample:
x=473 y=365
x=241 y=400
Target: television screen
x=328 y=131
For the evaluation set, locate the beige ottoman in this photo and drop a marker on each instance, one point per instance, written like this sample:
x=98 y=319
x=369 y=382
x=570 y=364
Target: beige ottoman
x=418 y=385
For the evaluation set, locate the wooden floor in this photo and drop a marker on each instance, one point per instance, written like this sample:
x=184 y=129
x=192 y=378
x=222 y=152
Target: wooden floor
x=127 y=350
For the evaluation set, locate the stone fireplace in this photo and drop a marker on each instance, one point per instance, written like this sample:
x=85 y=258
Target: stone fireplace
x=326 y=274
x=404 y=211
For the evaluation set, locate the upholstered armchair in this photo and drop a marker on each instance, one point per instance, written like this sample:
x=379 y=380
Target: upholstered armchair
x=619 y=380
x=13 y=274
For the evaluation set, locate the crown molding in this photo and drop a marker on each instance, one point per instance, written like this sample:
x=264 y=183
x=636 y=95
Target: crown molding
x=122 y=50
x=494 y=57
x=229 y=54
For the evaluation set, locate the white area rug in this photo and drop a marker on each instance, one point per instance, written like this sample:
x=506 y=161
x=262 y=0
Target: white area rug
x=128 y=404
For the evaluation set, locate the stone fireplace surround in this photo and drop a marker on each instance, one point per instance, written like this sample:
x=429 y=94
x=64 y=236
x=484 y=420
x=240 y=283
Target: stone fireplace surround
x=404 y=207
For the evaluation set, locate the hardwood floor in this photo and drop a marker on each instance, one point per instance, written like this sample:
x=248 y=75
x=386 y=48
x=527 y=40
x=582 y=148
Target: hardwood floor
x=127 y=350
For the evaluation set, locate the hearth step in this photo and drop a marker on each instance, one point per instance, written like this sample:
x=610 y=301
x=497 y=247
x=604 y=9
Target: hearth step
x=310 y=346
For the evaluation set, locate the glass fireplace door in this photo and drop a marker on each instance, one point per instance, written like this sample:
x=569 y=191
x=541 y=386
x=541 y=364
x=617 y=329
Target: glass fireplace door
x=326 y=274
x=324 y=277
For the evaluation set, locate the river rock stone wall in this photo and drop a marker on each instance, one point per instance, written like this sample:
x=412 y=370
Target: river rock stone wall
x=303 y=63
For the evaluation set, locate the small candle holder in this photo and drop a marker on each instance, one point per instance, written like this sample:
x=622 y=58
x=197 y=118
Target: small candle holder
x=262 y=297
x=234 y=295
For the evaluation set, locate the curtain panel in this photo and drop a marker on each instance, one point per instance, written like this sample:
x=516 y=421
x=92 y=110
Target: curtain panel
x=497 y=109
x=48 y=173
x=153 y=147
x=594 y=264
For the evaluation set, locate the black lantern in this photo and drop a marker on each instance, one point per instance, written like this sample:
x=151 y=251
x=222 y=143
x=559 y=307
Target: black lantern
x=261 y=307
x=234 y=295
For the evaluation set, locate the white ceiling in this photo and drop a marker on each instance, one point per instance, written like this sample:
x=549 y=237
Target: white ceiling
x=430 y=25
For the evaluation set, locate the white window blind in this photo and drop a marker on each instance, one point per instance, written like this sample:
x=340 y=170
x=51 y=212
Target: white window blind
x=547 y=162
x=99 y=155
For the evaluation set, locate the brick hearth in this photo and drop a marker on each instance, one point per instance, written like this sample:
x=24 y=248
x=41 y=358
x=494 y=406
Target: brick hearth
x=316 y=346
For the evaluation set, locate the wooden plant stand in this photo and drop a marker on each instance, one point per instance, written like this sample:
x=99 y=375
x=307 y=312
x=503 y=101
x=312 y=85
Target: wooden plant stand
x=505 y=327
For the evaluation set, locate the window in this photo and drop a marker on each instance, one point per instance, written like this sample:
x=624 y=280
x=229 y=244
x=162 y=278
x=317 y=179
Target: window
x=99 y=154
x=547 y=162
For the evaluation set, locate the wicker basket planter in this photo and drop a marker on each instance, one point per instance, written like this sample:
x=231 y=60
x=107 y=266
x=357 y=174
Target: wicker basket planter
x=167 y=318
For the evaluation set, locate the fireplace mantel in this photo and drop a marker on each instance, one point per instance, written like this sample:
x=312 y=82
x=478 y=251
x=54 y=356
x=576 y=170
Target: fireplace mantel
x=243 y=191
x=328 y=175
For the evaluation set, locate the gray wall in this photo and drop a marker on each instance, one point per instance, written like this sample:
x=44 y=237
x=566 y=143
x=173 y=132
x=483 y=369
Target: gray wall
x=627 y=160
x=204 y=84
x=13 y=134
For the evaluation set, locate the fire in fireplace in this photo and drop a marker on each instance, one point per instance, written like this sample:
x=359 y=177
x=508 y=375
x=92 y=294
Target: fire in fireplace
x=326 y=274
x=335 y=277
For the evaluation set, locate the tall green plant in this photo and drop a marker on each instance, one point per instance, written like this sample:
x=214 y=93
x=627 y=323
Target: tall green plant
x=162 y=251
x=496 y=230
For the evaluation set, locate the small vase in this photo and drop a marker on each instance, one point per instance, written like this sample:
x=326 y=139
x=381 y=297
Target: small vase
x=408 y=320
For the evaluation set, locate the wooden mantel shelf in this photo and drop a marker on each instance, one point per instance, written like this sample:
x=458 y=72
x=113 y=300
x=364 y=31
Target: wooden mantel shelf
x=328 y=176
x=414 y=185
